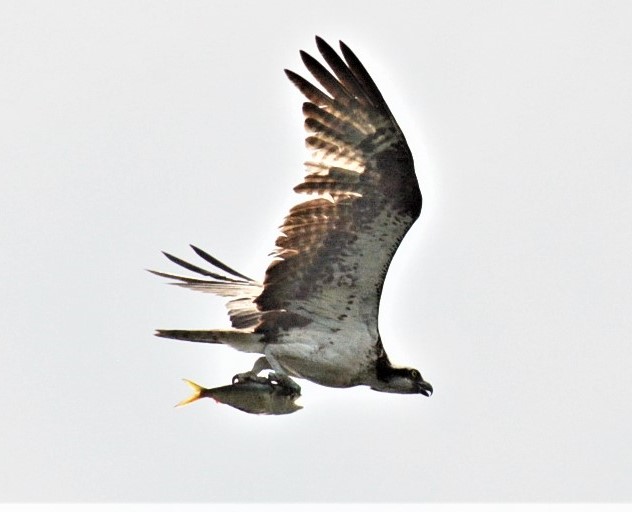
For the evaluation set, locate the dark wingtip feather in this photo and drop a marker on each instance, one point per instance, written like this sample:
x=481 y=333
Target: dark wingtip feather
x=195 y=268
x=222 y=266
x=343 y=46
x=324 y=77
x=182 y=280
x=342 y=71
x=323 y=46
x=363 y=77
x=312 y=93
x=161 y=274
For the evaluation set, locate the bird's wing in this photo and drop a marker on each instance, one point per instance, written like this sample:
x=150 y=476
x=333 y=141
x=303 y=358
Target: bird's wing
x=335 y=248
x=242 y=290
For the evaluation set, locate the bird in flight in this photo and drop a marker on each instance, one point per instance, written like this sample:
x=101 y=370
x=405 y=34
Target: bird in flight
x=315 y=315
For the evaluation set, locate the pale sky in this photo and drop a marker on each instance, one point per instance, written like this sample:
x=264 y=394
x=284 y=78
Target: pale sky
x=132 y=127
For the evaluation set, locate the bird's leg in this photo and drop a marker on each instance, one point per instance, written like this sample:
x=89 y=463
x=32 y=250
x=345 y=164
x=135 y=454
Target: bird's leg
x=277 y=375
x=253 y=375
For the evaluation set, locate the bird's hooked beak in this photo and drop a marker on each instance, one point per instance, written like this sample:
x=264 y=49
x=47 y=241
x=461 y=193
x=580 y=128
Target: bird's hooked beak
x=425 y=388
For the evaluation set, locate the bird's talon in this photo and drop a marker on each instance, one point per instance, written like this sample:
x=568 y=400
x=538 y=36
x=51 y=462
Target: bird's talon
x=285 y=382
x=241 y=378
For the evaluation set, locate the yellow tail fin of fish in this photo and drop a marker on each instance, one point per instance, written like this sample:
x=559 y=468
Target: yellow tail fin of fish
x=197 y=393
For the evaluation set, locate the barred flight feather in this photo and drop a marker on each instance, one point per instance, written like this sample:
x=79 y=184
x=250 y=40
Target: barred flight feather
x=357 y=153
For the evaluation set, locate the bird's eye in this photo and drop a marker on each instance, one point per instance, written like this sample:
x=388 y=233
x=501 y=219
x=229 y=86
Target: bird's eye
x=415 y=375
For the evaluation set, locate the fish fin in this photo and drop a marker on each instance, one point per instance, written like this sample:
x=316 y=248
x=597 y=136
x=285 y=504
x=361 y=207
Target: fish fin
x=197 y=393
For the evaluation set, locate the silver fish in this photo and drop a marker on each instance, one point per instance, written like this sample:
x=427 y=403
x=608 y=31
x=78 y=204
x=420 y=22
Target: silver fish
x=260 y=396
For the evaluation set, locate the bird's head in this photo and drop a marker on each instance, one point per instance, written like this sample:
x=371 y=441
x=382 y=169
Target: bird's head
x=404 y=380
x=393 y=379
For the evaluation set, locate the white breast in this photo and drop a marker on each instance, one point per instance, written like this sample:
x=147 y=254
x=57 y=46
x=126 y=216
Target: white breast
x=317 y=353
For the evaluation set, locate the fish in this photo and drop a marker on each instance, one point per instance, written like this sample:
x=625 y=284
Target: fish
x=258 y=395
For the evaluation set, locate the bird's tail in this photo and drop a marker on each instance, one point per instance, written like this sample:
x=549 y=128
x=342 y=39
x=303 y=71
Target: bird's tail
x=198 y=336
x=243 y=341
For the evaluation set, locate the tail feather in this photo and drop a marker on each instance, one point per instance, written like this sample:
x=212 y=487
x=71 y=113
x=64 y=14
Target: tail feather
x=199 y=336
x=239 y=340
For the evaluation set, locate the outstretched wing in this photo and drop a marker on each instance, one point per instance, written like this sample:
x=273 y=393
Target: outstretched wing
x=335 y=248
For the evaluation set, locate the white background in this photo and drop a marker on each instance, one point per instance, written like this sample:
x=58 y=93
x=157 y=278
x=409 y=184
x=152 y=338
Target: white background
x=131 y=127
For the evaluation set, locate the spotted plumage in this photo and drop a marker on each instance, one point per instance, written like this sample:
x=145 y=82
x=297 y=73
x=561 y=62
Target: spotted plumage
x=315 y=314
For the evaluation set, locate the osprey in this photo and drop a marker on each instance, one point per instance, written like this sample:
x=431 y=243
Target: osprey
x=315 y=316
